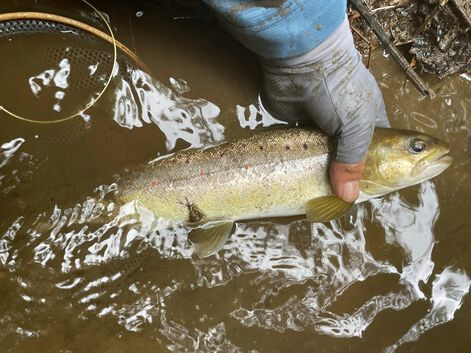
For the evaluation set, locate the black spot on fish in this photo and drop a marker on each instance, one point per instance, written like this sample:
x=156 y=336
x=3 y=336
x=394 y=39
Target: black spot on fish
x=261 y=148
x=287 y=147
x=305 y=146
x=221 y=154
x=187 y=161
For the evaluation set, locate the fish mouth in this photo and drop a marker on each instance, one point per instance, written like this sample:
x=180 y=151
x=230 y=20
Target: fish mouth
x=431 y=166
x=443 y=157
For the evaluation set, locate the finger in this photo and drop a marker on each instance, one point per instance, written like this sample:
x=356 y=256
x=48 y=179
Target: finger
x=345 y=179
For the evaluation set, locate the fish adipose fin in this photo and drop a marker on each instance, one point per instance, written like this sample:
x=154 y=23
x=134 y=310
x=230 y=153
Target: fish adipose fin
x=326 y=208
x=210 y=237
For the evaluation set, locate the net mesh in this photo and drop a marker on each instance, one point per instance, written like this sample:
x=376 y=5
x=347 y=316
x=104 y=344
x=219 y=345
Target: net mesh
x=90 y=59
x=9 y=28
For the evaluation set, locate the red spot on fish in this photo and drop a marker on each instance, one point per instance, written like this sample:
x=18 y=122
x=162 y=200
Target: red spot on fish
x=246 y=166
x=202 y=173
x=154 y=183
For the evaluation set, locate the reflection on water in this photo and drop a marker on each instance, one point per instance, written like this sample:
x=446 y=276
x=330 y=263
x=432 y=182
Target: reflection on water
x=96 y=270
x=8 y=149
x=344 y=260
x=255 y=115
x=73 y=243
x=144 y=100
x=58 y=77
x=448 y=291
x=16 y=166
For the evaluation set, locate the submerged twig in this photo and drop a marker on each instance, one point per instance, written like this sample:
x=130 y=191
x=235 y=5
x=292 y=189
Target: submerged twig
x=370 y=54
x=354 y=29
x=352 y=16
x=395 y=53
x=367 y=41
x=427 y=20
x=462 y=11
x=391 y=7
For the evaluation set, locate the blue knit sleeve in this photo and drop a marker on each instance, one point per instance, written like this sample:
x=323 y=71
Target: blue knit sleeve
x=279 y=29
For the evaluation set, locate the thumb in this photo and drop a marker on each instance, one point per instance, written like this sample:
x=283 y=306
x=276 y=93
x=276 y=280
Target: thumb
x=345 y=179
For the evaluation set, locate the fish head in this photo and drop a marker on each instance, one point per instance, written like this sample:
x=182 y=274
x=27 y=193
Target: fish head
x=400 y=158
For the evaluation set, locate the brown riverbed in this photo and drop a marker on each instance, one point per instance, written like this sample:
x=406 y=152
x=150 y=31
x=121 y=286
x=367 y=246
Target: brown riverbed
x=82 y=273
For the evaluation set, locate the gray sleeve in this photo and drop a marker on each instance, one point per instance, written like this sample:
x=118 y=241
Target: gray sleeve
x=331 y=86
x=359 y=107
x=353 y=104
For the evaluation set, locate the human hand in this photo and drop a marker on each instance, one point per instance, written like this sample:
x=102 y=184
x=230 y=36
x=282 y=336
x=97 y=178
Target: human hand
x=345 y=179
x=331 y=86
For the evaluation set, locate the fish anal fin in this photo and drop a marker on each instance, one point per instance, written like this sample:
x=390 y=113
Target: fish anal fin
x=209 y=237
x=326 y=208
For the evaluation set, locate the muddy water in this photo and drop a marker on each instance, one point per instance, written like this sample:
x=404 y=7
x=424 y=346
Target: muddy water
x=82 y=273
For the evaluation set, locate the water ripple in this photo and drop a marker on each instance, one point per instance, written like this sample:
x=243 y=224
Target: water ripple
x=143 y=100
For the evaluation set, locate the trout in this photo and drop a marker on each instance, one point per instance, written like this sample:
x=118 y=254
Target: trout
x=281 y=172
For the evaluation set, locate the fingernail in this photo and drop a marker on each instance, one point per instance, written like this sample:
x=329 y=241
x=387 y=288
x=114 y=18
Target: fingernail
x=349 y=191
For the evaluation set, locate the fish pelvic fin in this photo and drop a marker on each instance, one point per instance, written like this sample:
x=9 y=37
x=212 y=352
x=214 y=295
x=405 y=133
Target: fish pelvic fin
x=209 y=237
x=195 y=215
x=326 y=208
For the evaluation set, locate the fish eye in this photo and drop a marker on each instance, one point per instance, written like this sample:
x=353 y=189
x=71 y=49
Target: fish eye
x=417 y=145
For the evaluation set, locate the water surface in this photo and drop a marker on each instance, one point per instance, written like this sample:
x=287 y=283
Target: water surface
x=80 y=272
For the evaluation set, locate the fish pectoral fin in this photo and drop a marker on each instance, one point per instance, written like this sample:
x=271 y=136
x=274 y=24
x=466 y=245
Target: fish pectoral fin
x=209 y=237
x=374 y=189
x=326 y=208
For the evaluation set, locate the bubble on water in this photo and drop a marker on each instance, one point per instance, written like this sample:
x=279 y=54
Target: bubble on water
x=58 y=76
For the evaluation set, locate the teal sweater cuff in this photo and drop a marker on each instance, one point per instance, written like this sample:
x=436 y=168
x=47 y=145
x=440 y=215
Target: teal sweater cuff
x=279 y=29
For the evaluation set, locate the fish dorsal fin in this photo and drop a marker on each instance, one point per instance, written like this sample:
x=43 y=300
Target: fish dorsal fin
x=209 y=237
x=326 y=208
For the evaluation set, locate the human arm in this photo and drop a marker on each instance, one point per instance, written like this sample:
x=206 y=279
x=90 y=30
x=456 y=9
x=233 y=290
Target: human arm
x=312 y=71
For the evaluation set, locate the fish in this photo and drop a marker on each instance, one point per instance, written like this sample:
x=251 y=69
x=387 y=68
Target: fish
x=274 y=173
